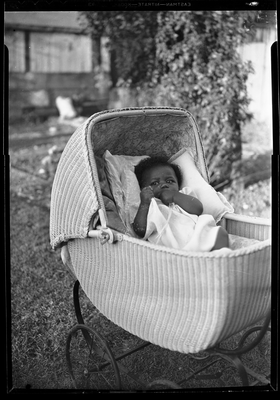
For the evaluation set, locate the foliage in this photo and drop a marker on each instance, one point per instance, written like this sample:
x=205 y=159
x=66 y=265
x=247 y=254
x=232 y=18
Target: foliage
x=131 y=42
x=188 y=60
x=254 y=200
x=200 y=70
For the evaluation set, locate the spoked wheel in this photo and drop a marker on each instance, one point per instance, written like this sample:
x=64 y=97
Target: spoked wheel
x=90 y=360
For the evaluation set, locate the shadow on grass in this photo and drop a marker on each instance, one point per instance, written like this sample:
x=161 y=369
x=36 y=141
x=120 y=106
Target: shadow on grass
x=251 y=170
x=256 y=168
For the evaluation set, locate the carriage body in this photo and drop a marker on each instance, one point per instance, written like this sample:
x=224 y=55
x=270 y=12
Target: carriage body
x=179 y=300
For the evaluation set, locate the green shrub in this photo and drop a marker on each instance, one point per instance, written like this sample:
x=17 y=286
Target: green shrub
x=199 y=68
x=189 y=60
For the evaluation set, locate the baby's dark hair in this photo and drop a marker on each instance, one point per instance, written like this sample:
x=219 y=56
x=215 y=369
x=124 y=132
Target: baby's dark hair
x=150 y=162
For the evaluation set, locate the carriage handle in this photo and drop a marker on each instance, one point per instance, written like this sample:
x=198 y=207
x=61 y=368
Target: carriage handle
x=105 y=235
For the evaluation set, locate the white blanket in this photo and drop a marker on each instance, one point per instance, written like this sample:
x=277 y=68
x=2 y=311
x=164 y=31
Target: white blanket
x=173 y=227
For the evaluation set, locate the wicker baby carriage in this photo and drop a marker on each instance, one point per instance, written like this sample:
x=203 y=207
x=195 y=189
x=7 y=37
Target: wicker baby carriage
x=187 y=302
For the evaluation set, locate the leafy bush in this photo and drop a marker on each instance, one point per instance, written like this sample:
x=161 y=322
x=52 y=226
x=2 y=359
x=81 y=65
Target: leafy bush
x=132 y=44
x=199 y=68
x=188 y=60
x=253 y=200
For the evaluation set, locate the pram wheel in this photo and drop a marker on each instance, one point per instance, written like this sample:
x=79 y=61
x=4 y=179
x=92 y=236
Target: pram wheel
x=90 y=361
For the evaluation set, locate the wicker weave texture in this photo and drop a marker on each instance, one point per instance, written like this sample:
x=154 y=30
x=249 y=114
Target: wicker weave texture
x=186 y=303
x=181 y=301
x=161 y=133
x=249 y=230
x=74 y=197
x=76 y=194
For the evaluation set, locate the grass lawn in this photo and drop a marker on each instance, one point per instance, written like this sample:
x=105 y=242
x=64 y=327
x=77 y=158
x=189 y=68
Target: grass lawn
x=41 y=287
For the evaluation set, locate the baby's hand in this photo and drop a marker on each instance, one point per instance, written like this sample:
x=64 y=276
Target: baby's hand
x=146 y=195
x=167 y=196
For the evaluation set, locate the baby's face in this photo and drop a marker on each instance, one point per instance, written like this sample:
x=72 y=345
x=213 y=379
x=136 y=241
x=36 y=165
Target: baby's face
x=159 y=178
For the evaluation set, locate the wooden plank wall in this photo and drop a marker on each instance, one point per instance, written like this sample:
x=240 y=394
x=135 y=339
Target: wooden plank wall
x=49 y=52
x=60 y=52
x=15 y=42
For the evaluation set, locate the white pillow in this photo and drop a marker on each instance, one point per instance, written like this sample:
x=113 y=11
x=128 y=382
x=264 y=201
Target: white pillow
x=214 y=203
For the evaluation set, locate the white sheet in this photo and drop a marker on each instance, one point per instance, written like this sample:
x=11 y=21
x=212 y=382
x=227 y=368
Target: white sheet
x=171 y=226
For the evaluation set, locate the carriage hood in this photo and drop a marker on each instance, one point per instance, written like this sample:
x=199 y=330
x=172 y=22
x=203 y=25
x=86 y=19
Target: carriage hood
x=76 y=195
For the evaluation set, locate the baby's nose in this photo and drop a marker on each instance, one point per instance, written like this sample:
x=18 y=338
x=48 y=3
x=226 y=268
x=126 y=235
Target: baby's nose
x=164 y=186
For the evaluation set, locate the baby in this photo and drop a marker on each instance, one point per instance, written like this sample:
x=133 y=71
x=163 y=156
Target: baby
x=162 y=180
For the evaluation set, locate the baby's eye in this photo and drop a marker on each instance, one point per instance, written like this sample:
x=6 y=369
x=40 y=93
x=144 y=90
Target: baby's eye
x=154 y=183
x=170 y=181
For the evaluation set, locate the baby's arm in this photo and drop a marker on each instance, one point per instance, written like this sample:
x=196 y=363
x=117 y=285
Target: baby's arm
x=140 y=220
x=188 y=203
